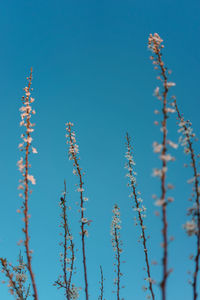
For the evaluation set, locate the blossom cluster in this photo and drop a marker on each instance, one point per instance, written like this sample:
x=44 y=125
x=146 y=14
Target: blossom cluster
x=155 y=43
x=74 y=292
x=187 y=136
x=26 y=114
x=115 y=226
x=77 y=171
x=73 y=147
x=66 y=260
x=17 y=278
x=160 y=149
x=191 y=227
x=131 y=174
x=139 y=208
x=116 y=244
x=73 y=155
x=24 y=166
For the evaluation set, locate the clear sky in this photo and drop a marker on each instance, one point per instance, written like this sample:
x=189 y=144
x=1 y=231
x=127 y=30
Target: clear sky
x=91 y=67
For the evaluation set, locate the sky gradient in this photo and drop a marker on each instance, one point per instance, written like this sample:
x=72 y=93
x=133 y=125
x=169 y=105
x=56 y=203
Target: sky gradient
x=91 y=66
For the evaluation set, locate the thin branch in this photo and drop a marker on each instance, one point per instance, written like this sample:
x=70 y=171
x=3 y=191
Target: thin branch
x=17 y=278
x=73 y=151
x=115 y=233
x=155 y=45
x=139 y=210
x=26 y=112
x=66 y=284
x=188 y=139
x=12 y=284
x=101 y=284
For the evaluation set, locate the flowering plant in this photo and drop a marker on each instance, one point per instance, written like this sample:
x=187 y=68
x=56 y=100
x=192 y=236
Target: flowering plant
x=21 y=278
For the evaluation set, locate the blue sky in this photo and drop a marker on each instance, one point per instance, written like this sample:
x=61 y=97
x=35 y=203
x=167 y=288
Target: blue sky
x=91 y=67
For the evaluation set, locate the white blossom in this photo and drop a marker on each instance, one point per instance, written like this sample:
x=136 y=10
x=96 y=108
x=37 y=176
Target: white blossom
x=31 y=179
x=160 y=202
x=190 y=227
x=170 y=84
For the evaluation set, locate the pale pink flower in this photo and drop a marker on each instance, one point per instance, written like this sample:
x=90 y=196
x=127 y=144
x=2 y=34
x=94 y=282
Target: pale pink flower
x=20 y=242
x=170 y=199
x=154 y=43
x=160 y=202
x=170 y=110
x=31 y=179
x=170 y=186
x=170 y=84
x=34 y=150
x=74 y=172
x=149 y=280
x=20 y=164
x=191 y=180
x=20 y=187
x=167 y=157
x=190 y=227
x=84 y=220
x=29 y=130
x=156 y=91
x=20 y=145
x=28 y=140
x=172 y=144
x=23 y=108
x=157 y=147
x=157 y=172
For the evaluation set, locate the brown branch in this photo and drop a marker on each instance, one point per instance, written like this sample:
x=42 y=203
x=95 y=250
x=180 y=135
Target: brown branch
x=26 y=115
x=13 y=285
x=155 y=44
x=17 y=284
x=67 y=235
x=115 y=232
x=101 y=286
x=72 y=155
x=118 y=263
x=27 y=293
x=163 y=179
x=26 y=230
x=144 y=240
x=194 y=166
